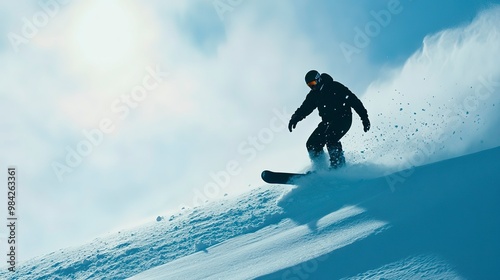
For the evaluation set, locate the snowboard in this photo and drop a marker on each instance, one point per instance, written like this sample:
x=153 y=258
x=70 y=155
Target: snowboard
x=280 y=177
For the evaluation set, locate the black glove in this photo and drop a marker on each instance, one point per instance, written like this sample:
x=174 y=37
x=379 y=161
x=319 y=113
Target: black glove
x=366 y=124
x=292 y=124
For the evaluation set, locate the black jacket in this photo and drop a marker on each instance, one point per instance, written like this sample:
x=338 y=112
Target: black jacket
x=333 y=100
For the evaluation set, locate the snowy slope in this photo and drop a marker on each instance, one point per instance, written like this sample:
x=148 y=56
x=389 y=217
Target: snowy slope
x=129 y=252
x=442 y=222
x=439 y=221
x=271 y=248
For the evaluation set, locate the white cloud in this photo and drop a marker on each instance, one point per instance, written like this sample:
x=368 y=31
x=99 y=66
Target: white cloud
x=442 y=102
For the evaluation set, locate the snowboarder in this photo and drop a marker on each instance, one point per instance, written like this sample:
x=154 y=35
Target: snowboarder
x=334 y=102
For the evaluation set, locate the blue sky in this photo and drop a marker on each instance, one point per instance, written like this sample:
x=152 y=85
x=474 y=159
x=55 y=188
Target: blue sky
x=189 y=96
x=420 y=19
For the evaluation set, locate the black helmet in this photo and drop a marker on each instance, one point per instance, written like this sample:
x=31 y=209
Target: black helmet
x=313 y=79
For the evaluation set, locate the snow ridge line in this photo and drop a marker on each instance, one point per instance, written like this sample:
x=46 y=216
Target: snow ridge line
x=139 y=249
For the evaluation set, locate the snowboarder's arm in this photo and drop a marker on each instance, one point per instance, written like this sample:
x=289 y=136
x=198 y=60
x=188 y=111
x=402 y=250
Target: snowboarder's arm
x=302 y=112
x=305 y=109
x=353 y=101
x=357 y=105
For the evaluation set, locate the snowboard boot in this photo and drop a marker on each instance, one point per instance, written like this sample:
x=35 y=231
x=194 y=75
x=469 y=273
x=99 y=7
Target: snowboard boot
x=318 y=160
x=337 y=159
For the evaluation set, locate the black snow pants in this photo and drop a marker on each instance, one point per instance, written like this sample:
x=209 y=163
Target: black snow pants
x=329 y=133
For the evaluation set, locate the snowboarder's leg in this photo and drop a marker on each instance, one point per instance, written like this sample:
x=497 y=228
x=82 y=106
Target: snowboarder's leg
x=318 y=161
x=335 y=132
x=315 y=145
x=337 y=159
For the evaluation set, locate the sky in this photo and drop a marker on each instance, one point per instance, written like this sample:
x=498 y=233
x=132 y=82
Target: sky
x=115 y=112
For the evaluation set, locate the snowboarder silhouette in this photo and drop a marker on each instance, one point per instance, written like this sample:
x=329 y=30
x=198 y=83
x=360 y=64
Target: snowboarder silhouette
x=334 y=102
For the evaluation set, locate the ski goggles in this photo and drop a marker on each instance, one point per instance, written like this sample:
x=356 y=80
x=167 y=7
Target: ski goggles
x=312 y=83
